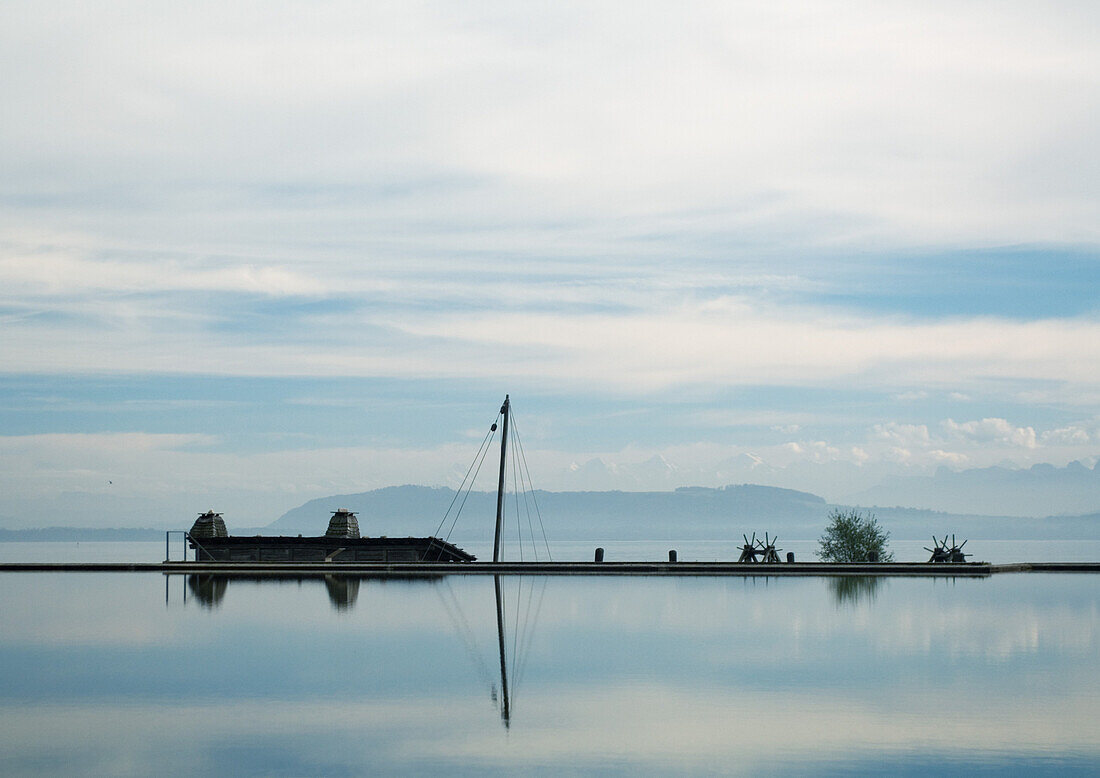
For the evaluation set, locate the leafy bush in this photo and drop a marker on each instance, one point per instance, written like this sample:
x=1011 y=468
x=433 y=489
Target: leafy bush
x=851 y=537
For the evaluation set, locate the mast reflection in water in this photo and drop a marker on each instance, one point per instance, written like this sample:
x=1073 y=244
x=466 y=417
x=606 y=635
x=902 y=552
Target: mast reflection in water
x=209 y=590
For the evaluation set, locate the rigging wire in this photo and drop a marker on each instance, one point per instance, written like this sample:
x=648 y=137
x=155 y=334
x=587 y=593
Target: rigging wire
x=516 y=486
x=528 y=492
x=484 y=443
x=525 y=487
x=520 y=671
x=467 y=495
x=466 y=634
x=479 y=459
x=538 y=513
x=523 y=629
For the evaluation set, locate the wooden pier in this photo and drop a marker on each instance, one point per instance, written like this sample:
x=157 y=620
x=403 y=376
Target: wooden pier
x=421 y=569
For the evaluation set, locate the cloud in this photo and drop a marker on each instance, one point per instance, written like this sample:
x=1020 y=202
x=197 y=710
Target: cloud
x=95 y=444
x=804 y=119
x=152 y=317
x=996 y=431
x=903 y=434
x=898 y=455
x=950 y=457
x=571 y=195
x=786 y=429
x=911 y=395
x=59 y=274
x=1072 y=435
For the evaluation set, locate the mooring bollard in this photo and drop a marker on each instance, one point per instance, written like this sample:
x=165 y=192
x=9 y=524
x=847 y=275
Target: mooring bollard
x=672 y=555
x=599 y=554
x=790 y=556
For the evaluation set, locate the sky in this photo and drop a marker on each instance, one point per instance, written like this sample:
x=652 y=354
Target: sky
x=255 y=253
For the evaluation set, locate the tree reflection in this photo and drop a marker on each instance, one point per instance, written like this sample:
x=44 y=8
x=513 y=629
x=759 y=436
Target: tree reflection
x=852 y=589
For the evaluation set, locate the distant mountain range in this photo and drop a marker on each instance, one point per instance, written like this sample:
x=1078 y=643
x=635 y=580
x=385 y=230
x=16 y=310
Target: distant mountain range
x=700 y=512
x=1041 y=490
x=689 y=513
x=658 y=473
x=653 y=496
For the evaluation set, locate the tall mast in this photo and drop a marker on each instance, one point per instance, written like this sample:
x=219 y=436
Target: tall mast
x=500 y=483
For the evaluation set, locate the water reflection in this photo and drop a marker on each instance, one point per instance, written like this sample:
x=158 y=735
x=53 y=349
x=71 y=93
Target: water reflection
x=623 y=676
x=516 y=616
x=343 y=590
x=209 y=590
x=853 y=589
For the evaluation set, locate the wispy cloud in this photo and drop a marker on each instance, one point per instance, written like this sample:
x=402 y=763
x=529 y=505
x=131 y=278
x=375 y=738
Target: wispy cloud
x=767 y=114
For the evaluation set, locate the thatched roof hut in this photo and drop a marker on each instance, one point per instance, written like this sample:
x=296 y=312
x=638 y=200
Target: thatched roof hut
x=209 y=525
x=343 y=524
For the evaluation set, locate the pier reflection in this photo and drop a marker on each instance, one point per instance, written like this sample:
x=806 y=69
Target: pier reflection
x=343 y=590
x=514 y=597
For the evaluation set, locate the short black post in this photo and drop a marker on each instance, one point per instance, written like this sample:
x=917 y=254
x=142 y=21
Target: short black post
x=872 y=556
x=599 y=554
x=790 y=556
x=672 y=555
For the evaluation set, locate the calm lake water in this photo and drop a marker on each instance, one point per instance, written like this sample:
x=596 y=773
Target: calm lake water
x=141 y=674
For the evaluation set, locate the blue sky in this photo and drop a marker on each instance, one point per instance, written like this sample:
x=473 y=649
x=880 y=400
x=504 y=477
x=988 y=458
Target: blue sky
x=256 y=254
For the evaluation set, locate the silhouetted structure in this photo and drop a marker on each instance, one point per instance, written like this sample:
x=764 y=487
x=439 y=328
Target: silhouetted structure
x=765 y=549
x=209 y=525
x=942 y=553
x=749 y=550
x=343 y=524
x=340 y=543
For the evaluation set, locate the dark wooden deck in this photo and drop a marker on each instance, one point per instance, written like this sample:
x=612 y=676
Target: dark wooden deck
x=420 y=569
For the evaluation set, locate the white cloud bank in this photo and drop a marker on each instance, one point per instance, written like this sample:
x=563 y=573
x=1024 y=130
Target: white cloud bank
x=707 y=346
x=456 y=175
x=904 y=123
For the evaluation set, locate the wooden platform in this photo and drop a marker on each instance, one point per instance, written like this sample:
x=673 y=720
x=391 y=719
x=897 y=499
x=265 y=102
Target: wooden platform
x=420 y=569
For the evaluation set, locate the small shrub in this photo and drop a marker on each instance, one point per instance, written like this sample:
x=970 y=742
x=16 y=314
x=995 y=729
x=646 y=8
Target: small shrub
x=851 y=537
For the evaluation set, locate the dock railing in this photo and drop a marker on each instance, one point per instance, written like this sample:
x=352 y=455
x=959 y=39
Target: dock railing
x=185 y=538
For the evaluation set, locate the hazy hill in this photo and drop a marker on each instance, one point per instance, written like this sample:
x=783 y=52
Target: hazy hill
x=1042 y=490
x=686 y=512
x=692 y=513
